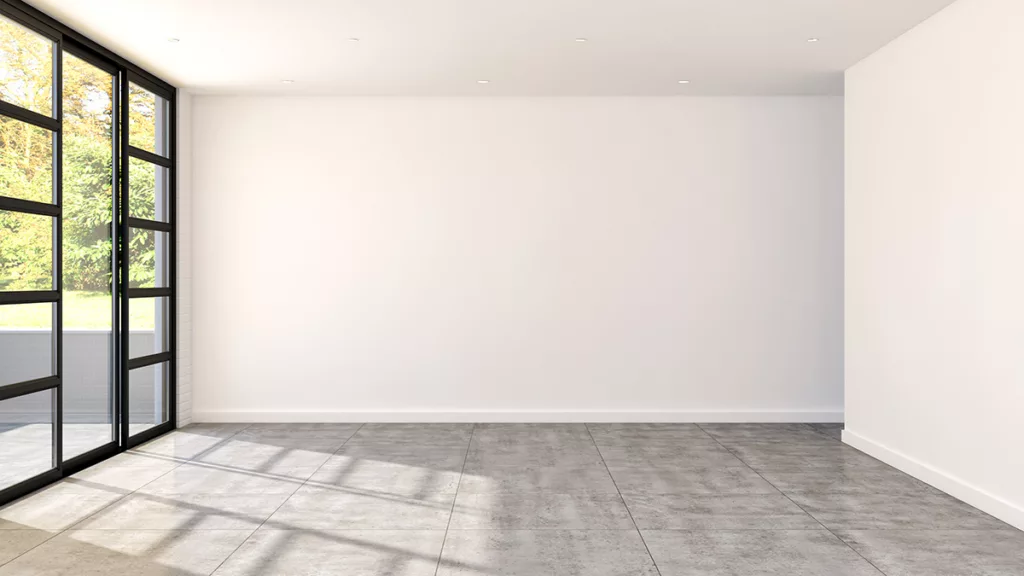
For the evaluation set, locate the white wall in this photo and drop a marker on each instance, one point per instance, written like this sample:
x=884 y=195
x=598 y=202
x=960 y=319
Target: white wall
x=518 y=259
x=184 y=252
x=934 y=237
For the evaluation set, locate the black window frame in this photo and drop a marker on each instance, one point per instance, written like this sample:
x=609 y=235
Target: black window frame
x=126 y=72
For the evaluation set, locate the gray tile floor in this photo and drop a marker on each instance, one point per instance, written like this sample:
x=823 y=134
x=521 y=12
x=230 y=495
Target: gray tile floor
x=501 y=500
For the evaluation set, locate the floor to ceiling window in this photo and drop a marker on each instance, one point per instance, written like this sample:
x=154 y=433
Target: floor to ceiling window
x=86 y=252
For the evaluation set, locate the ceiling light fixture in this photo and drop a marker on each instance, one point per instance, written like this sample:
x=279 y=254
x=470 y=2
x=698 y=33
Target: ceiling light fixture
x=483 y=81
x=287 y=81
x=812 y=40
x=174 y=40
x=581 y=39
x=684 y=81
x=353 y=39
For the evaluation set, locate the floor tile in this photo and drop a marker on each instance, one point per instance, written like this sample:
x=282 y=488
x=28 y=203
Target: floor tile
x=59 y=506
x=754 y=553
x=922 y=511
x=544 y=510
x=321 y=431
x=315 y=508
x=192 y=478
x=682 y=456
x=435 y=434
x=590 y=478
x=941 y=553
x=270 y=456
x=545 y=553
x=823 y=453
x=781 y=433
x=717 y=512
x=14 y=543
x=134 y=552
x=190 y=441
x=341 y=552
x=409 y=471
x=186 y=512
x=647 y=434
x=534 y=456
x=676 y=480
x=563 y=435
x=842 y=479
x=127 y=471
x=834 y=431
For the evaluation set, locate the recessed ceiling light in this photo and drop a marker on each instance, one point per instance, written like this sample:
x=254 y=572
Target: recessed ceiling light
x=812 y=39
x=353 y=39
x=287 y=81
x=174 y=40
x=684 y=81
x=483 y=81
x=581 y=39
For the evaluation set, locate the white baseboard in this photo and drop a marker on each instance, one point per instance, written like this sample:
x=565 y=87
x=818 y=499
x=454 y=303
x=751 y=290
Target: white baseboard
x=948 y=483
x=521 y=416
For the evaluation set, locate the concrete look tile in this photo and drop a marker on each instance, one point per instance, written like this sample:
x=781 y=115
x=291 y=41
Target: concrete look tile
x=931 y=510
x=58 y=507
x=754 y=553
x=268 y=456
x=190 y=441
x=343 y=552
x=590 y=478
x=127 y=471
x=717 y=512
x=14 y=543
x=545 y=553
x=135 y=552
x=414 y=475
x=421 y=434
x=330 y=432
x=544 y=510
x=842 y=480
x=823 y=453
x=186 y=512
x=534 y=456
x=682 y=456
x=648 y=434
x=316 y=508
x=834 y=431
x=941 y=552
x=775 y=433
x=675 y=480
x=566 y=436
x=192 y=478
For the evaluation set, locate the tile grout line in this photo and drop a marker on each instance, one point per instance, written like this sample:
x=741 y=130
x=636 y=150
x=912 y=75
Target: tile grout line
x=455 y=499
x=123 y=496
x=802 y=509
x=621 y=498
x=285 y=501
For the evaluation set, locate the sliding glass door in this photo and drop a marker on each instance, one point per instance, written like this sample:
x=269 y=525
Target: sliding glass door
x=87 y=276
x=88 y=176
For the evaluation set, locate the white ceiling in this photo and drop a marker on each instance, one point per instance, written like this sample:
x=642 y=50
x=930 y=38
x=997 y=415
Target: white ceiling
x=523 y=47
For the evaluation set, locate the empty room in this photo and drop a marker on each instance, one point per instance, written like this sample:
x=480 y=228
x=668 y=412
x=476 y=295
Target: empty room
x=511 y=288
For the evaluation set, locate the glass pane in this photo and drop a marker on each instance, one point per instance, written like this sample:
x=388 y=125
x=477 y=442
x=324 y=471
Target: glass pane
x=147 y=258
x=148 y=320
x=88 y=302
x=147 y=120
x=26 y=437
x=26 y=161
x=26 y=77
x=26 y=251
x=26 y=342
x=147 y=397
x=148 y=196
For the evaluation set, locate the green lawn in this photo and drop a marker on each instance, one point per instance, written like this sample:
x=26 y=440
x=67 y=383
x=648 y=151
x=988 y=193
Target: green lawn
x=82 y=310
